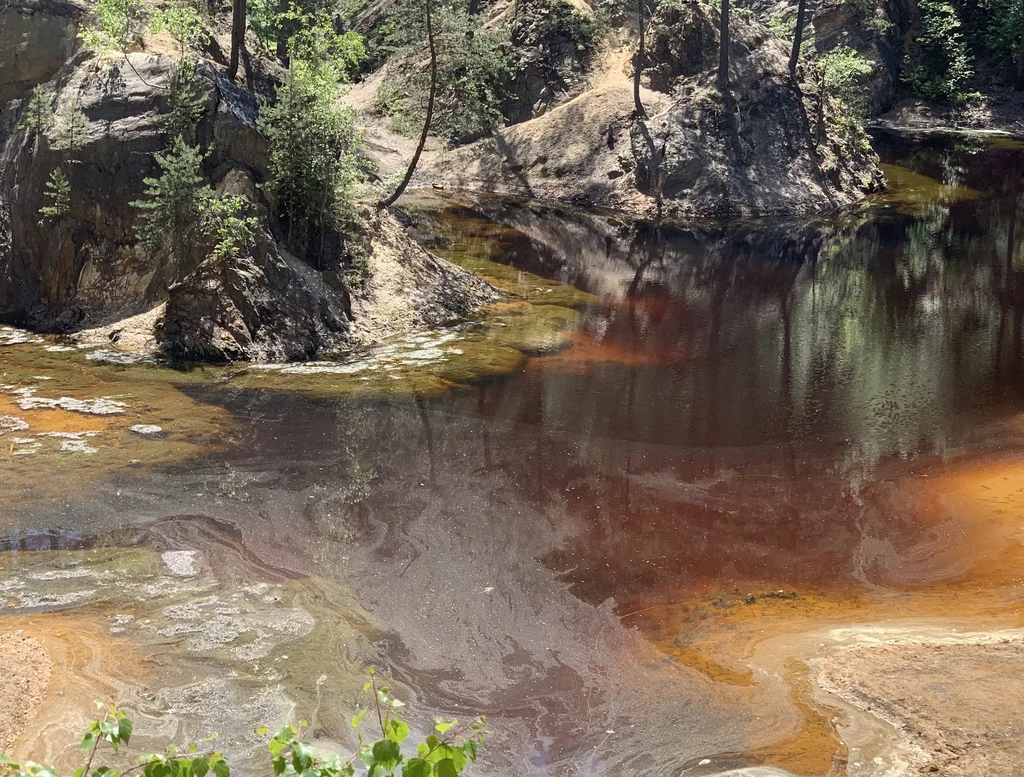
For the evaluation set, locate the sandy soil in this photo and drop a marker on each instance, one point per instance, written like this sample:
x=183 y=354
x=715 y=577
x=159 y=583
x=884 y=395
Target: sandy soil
x=958 y=702
x=23 y=684
x=134 y=334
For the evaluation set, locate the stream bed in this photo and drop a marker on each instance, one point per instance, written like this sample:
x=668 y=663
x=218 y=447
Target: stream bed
x=637 y=515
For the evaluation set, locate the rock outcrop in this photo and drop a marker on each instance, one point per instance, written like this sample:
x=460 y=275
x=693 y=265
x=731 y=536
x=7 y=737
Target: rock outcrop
x=552 y=42
x=85 y=267
x=754 y=150
x=875 y=29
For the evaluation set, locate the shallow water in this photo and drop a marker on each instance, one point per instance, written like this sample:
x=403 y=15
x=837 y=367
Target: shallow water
x=690 y=454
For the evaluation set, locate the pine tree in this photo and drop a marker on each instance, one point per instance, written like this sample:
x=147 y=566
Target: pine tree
x=70 y=129
x=171 y=217
x=58 y=192
x=186 y=102
x=39 y=112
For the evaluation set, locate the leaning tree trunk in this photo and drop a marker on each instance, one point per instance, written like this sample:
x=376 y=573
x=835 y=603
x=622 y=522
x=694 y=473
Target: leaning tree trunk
x=798 y=36
x=723 y=52
x=638 y=68
x=1019 y=85
x=237 y=35
x=426 y=122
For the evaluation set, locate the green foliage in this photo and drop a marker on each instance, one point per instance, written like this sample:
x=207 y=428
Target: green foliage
x=840 y=75
x=182 y=21
x=186 y=102
x=171 y=216
x=230 y=228
x=313 y=148
x=39 y=111
x=115 y=728
x=446 y=752
x=473 y=70
x=992 y=30
x=938 y=64
x=842 y=71
x=867 y=12
x=783 y=24
x=394 y=101
x=58 y=195
x=182 y=214
x=316 y=45
x=307 y=19
x=69 y=128
x=117 y=25
x=561 y=19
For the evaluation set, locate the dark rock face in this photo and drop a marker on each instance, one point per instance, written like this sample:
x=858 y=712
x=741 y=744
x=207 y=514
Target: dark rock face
x=36 y=39
x=86 y=264
x=682 y=44
x=261 y=306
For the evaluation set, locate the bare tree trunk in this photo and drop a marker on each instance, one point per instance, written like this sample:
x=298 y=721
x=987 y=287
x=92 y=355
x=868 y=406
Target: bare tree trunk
x=638 y=68
x=426 y=123
x=237 y=35
x=723 y=52
x=798 y=36
x=820 y=129
x=282 y=33
x=1019 y=85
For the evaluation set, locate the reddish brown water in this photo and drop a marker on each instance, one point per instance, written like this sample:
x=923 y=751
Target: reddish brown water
x=759 y=432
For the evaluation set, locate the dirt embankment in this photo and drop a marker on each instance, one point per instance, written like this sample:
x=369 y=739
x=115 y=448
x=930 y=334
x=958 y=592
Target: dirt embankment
x=23 y=684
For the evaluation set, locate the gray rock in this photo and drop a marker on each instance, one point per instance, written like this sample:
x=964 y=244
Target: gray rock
x=36 y=38
x=262 y=306
x=750 y=150
x=877 y=36
x=87 y=266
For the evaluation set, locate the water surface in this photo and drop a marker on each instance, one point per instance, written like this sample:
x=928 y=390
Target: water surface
x=613 y=539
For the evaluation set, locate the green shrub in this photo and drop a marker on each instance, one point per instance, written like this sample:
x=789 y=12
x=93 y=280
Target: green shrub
x=867 y=13
x=841 y=75
x=58 y=195
x=473 y=71
x=186 y=102
x=170 y=218
x=116 y=25
x=938 y=64
x=69 y=128
x=183 y=22
x=183 y=215
x=314 y=145
x=446 y=752
x=39 y=111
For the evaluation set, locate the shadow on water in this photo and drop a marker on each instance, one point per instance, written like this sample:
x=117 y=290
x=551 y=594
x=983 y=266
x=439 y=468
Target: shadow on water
x=786 y=422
